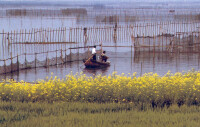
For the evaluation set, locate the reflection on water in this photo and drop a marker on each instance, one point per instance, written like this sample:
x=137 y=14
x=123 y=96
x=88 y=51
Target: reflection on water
x=121 y=62
x=96 y=71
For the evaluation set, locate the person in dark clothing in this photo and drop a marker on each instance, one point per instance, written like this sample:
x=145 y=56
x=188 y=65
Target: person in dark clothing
x=104 y=57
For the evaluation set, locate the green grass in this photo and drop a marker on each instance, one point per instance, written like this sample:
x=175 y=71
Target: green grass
x=75 y=114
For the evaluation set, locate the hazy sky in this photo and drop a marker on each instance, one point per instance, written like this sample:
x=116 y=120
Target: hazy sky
x=104 y=0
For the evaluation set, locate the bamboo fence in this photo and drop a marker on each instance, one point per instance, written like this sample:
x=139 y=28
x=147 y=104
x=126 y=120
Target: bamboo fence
x=38 y=46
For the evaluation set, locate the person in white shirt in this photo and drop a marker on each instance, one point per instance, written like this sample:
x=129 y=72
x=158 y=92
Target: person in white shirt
x=94 y=53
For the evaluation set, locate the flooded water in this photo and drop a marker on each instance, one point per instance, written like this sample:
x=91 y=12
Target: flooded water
x=125 y=61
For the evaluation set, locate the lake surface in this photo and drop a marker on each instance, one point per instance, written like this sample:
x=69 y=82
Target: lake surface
x=123 y=60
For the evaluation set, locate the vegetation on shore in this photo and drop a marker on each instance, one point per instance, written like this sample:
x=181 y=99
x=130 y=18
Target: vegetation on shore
x=114 y=100
x=76 y=114
x=149 y=89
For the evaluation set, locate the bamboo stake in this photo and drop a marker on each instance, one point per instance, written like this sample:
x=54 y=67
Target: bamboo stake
x=25 y=36
x=59 y=34
x=40 y=37
x=34 y=35
x=35 y=60
x=29 y=33
x=50 y=35
x=31 y=40
x=11 y=62
x=5 y=71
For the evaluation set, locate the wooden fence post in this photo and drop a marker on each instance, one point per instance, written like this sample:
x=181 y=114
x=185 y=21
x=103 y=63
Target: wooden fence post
x=17 y=62
x=25 y=60
x=56 y=56
x=11 y=62
x=47 y=63
x=70 y=55
x=35 y=60
x=4 y=66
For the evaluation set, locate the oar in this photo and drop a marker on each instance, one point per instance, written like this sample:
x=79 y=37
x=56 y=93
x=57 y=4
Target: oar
x=89 y=58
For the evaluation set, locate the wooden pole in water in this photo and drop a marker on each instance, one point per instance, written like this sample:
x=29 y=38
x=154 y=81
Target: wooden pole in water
x=63 y=30
x=8 y=38
x=56 y=56
x=50 y=34
x=101 y=47
x=162 y=41
x=53 y=36
x=76 y=35
x=25 y=36
x=35 y=60
x=61 y=56
x=5 y=66
x=100 y=31
x=106 y=33
x=66 y=35
x=69 y=34
x=47 y=62
x=37 y=38
x=143 y=39
x=25 y=60
x=197 y=40
x=17 y=62
x=34 y=35
x=153 y=43
x=59 y=34
x=3 y=41
x=31 y=35
x=80 y=34
x=65 y=52
x=14 y=40
x=44 y=35
x=11 y=37
x=11 y=62
x=141 y=70
x=16 y=36
x=40 y=32
x=70 y=55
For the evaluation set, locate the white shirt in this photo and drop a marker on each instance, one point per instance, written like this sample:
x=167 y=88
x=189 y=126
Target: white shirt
x=94 y=51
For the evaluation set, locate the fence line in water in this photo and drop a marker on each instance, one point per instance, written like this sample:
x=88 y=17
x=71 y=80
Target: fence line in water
x=158 y=36
x=43 y=59
x=63 y=34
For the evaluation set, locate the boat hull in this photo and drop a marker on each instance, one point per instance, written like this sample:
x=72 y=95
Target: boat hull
x=95 y=64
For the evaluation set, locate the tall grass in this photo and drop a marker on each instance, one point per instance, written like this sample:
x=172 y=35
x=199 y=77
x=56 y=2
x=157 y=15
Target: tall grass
x=76 y=114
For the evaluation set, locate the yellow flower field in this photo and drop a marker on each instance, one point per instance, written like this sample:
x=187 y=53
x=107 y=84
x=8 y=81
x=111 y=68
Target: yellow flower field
x=178 y=88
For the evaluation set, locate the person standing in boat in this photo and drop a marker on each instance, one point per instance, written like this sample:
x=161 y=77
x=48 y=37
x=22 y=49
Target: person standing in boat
x=94 y=53
x=104 y=57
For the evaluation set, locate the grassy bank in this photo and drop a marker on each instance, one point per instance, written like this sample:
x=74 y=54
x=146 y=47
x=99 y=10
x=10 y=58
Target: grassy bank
x=103 y=101
x=70 y=114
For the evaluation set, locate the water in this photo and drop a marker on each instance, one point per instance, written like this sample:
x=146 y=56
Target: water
x=126 y=62
x=123 y=60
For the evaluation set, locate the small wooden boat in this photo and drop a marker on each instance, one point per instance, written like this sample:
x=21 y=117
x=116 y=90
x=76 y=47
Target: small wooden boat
x=95 y=64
